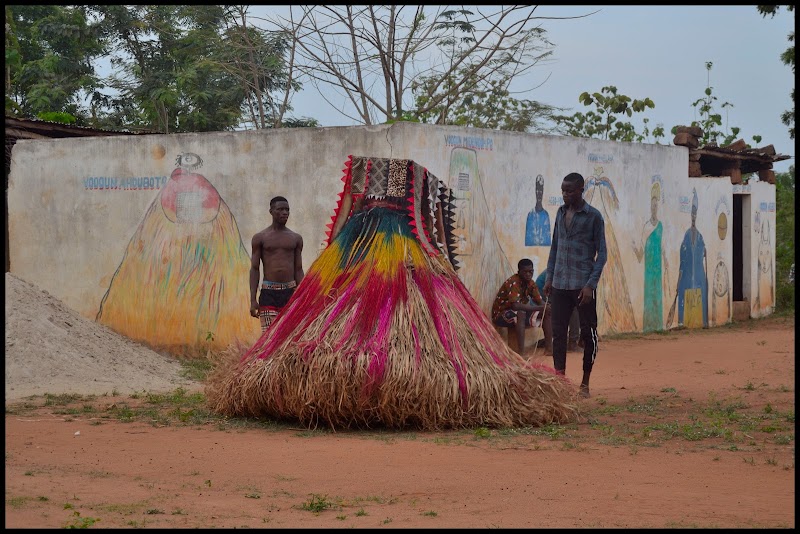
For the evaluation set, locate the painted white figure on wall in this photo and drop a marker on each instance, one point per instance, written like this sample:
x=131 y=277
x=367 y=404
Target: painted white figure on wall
x=614 y=308
x=721 y=297
x=765 y=297
x=483 y=264
x=721 y=294
x=463 y=173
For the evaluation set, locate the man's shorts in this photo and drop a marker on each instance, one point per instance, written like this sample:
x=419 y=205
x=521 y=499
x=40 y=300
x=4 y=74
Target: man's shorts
x=273 y=297
x=508 y=319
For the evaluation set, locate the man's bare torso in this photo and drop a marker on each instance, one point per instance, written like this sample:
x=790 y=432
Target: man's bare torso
x=278 y=252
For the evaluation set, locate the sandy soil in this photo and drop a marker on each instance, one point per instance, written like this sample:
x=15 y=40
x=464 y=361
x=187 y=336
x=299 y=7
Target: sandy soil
x=688 y=429
x=51 y=348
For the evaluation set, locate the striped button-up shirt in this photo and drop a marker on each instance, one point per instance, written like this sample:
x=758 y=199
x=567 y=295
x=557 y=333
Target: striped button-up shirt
x=578 y=253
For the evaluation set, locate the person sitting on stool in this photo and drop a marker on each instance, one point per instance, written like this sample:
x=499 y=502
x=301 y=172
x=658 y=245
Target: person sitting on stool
x=519 y=305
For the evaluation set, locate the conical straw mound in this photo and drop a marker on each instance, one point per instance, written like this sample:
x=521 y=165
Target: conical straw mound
x=379 y=333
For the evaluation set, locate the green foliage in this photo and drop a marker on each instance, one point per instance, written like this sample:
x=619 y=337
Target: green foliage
x=165 y=76
x=196 y=368
x=711 y=120
x=57 y=116
x=784 y=236
x=49 y=56
x=299 y=122
x=255 y=58
x=318 y=503
x=80 y=522
x=483 y=432
x=604 y=121
x=787 y=117
x=406 y=116
x=177 y=68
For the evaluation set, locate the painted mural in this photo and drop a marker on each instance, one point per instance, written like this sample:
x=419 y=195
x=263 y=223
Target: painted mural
x=183 y=280
x=721 y=297
x=765 y=288
x=692 y=293
x=650 y=250
x=762 y=246
x=483 y=266
x=721 y=291
x=614 y=307
x=537 y=226
x=463 y=178
x=154 y=251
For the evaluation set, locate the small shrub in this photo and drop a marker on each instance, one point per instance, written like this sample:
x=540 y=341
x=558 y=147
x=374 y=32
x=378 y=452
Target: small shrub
x=80 y=522
x=317 y=503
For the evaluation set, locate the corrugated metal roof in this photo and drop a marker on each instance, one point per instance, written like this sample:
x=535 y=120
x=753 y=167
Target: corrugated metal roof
x=19 y=127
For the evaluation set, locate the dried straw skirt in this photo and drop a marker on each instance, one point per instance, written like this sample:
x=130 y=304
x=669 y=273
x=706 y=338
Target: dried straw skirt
x=380 y=333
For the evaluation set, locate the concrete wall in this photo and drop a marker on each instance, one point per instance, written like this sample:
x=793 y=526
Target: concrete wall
x=96 y=221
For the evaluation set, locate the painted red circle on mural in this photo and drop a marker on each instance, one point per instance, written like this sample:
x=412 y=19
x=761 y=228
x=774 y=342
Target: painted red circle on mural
x=189 y=197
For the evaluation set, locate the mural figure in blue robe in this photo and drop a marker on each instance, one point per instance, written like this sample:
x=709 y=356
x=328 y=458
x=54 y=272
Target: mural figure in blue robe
x=537 y=227
x=692 y=297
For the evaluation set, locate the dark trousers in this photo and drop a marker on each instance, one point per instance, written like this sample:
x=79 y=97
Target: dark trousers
x=574 y=326
x=563 y=302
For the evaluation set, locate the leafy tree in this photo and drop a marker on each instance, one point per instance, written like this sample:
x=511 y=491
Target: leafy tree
x=788 y=59
x=165 y=78
x=785 y=246
x=192 y=69
x=255 y=58
x=49 y=55
x=603 y=122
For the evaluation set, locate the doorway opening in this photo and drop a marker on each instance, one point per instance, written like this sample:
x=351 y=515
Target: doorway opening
x=741 y=247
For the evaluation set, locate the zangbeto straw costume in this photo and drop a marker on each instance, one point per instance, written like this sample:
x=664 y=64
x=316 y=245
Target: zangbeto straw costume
x=382 y=332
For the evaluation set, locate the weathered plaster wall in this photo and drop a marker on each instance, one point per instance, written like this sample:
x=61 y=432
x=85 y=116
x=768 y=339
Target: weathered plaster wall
x=96 y=222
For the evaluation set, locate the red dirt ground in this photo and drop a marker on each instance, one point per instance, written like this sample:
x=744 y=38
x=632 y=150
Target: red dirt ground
x=683 y=430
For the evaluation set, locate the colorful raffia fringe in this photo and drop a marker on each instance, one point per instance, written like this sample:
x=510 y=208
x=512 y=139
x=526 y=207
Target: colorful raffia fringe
x=382 y=333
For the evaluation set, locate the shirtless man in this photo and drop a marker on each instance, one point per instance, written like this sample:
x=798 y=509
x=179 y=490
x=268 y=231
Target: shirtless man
x=279 y=250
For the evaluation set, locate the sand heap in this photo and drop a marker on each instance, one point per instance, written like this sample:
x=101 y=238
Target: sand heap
x=51 y=348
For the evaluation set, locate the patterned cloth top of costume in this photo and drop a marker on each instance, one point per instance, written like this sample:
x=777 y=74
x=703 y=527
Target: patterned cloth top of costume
x=514 y=290
x=408 y=186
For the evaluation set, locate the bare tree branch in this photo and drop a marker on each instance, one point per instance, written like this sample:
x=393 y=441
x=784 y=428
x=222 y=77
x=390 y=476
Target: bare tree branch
x=393 y=60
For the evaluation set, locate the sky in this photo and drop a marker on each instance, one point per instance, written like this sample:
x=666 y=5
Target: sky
x=656 y=52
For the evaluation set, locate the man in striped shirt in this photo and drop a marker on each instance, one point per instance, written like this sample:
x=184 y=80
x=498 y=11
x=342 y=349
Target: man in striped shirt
x=577 y=257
